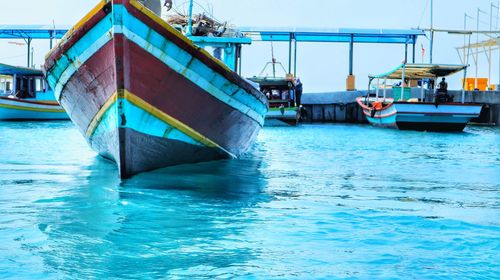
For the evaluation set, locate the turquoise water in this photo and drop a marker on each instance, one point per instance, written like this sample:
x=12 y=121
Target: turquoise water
x=313 y=202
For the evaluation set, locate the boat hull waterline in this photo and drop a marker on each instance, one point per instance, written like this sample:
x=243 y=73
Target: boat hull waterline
x=446 y=117
x=145 y=97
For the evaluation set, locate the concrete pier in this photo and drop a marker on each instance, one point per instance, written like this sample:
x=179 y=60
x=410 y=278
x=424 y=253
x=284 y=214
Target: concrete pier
x=341 y=107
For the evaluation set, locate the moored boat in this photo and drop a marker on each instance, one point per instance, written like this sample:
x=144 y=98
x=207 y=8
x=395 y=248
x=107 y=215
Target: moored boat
x=280 y=91
x=145 y=96
x=24 y=95
x=441 y=114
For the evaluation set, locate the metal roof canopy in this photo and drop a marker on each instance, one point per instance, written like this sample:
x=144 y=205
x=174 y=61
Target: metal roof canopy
x=30 y=32
x=420 y=71
x=15 y=70
x=334 y=35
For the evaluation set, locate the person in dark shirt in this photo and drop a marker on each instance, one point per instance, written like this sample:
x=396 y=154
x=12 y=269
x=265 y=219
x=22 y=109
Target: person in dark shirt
x=443 y=86
x=442 y=92
x=298 y=92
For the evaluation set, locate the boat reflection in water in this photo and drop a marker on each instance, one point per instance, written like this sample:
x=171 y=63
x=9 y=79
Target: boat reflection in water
x=172 y=221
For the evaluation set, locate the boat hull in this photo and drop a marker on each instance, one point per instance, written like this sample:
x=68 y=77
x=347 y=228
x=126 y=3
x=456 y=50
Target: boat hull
x=18 y=109
x=443 y=117
x=145 y=97
x=282 y=117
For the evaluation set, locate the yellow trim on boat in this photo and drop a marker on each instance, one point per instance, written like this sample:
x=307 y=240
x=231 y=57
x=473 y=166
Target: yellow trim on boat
x=22 y=108
x=79 y=24
x=137 y=101
x=98 y=117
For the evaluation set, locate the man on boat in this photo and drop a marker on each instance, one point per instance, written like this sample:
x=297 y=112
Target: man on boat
x=298 y=92
x=442 y=92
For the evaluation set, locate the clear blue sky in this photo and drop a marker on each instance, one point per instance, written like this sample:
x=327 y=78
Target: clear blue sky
x=322 y=67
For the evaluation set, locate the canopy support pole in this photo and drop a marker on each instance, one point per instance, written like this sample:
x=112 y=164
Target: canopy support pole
x=377 y=90
x=403 y=83
x=14 y=85
x=295 y=57
x=413 y=51
x=422 y=95
x=51 y=37
x=28 y=41
x=385 y=88
x=351 y=54
x=406 y=51
x=463 y=85
x=190 y=20
x=290 y=54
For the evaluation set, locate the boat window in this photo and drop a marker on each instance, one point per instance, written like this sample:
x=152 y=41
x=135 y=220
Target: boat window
x=39 y=84
x=25 y=87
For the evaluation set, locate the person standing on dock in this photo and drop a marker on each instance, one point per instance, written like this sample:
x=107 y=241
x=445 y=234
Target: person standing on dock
x=298 y=92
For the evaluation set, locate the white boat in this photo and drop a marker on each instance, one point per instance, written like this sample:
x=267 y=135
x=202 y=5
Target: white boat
x=25 y=95
x=406 y=113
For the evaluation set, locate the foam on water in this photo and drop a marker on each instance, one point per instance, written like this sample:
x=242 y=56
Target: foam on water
x=316 y=201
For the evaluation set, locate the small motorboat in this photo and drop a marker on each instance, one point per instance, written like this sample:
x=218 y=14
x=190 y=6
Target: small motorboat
x=439 y=113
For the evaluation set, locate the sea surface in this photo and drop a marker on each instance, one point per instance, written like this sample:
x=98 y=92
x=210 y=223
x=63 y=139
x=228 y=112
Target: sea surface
x=311 y=202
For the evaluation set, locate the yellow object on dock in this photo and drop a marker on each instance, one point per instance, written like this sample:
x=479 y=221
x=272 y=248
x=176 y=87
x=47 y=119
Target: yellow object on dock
x=351 y=83
x=470 y=84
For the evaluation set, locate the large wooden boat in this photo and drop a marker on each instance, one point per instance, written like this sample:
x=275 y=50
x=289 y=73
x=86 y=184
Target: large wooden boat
x=24 y=95
x=145 y=96
x=437 y=113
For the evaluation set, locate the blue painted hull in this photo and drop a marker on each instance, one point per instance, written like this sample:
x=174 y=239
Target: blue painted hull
x=30 y=109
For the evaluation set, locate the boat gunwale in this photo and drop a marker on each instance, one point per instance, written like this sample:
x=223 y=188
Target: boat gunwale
x=143 y=14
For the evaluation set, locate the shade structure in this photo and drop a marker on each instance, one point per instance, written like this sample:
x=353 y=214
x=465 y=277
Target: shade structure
x=32 y=31
x=420 y=71
x=16 y=70
x=334 y=35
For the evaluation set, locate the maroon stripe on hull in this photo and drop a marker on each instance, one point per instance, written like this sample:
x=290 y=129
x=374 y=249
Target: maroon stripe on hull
x=90 y=87
x=172 y=93
x=192 y=50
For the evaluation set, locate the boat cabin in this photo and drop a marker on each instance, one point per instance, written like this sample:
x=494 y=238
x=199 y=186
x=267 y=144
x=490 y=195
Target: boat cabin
x=20 y=82
x=278 y=89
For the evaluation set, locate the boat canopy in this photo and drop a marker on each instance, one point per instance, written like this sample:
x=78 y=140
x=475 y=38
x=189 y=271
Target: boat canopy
x=16 y=70
x=420 y=71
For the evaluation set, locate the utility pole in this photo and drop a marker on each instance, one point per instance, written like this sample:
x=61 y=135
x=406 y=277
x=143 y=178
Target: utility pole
x=432 y=31
x=477 y=41
x=466 y=16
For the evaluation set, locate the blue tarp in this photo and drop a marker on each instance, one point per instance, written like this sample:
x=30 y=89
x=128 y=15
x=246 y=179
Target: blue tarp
x=32 y=31
x=334 y=35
